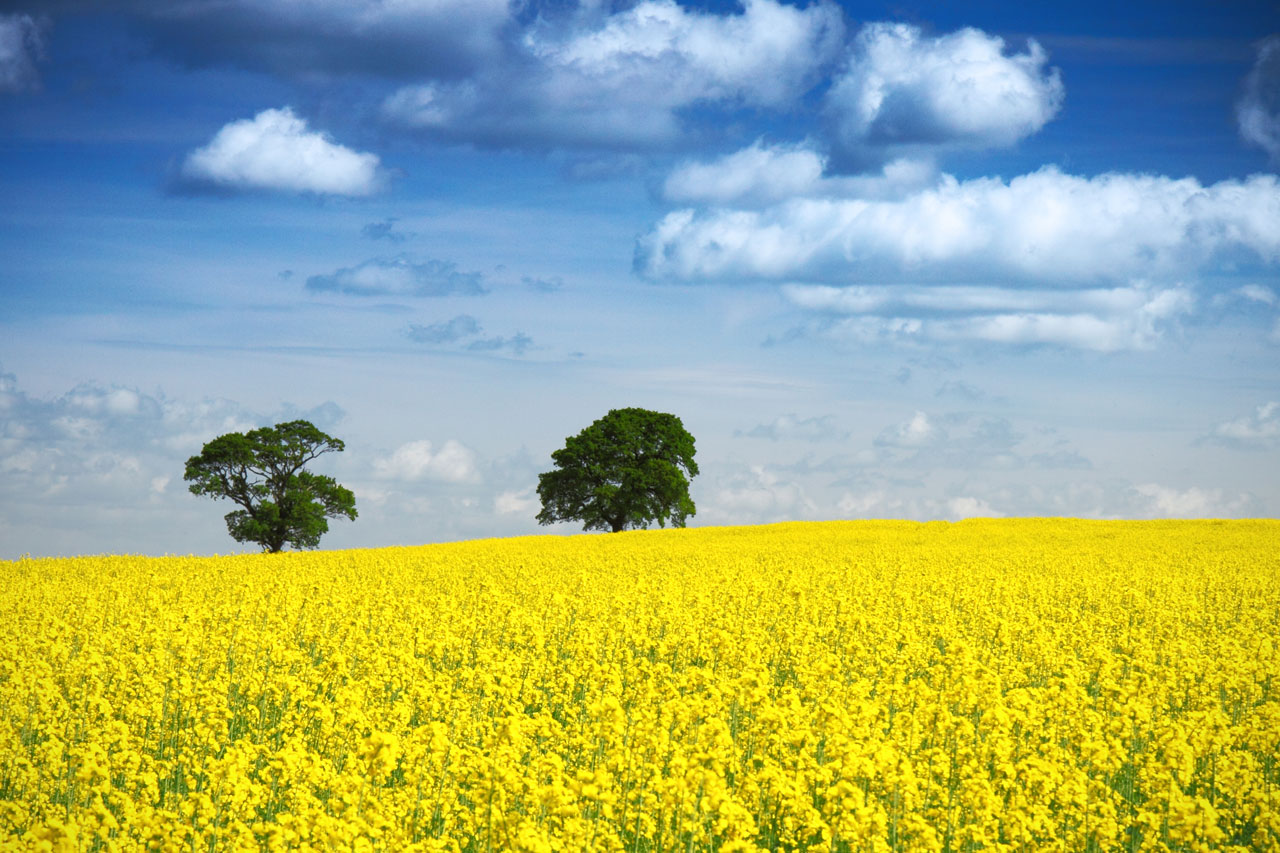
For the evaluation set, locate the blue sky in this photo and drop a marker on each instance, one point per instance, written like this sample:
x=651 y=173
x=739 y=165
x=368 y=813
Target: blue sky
x=884 y=260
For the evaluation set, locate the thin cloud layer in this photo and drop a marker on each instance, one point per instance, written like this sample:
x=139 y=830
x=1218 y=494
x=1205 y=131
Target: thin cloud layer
x=621 y=80
x=901 y=90
x=399 y=276
x=1101 y=320
x=466 y=328
x=276 y=151
x=790 y=427
x=21 y=45
x=397 y=39
x=447 y=332
x=1258 y=110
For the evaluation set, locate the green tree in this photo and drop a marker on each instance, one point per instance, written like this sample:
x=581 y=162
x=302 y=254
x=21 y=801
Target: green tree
x=628 y=469
x=262 y=471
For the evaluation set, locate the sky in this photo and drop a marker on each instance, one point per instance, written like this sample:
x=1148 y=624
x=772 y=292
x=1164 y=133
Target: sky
x=884 y=260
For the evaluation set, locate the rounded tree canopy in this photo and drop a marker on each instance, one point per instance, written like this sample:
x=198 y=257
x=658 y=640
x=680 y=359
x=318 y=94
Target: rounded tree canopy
x=263 y=471
x=627 y=470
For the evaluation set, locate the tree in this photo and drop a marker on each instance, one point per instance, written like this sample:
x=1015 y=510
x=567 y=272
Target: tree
x=262 y=471
x=628 y=469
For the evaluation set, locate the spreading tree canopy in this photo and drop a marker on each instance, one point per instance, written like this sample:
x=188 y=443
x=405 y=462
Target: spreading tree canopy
x=263 y=471
x=627 y=470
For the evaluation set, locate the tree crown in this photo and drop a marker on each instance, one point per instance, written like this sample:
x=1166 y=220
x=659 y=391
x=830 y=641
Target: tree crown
x=263 y=471
x=628 y=469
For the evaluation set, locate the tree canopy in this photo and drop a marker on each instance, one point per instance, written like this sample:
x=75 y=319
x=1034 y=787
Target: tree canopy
x=263 y=471
x=628 y=469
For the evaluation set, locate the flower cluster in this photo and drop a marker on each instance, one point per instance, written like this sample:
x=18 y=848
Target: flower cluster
x=989 y=685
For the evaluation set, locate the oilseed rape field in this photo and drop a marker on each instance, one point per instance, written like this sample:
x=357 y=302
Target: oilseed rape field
x=1009 y=685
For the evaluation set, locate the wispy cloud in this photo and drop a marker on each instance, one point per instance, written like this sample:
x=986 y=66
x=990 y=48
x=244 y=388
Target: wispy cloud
x=447 y=332
x=791 y=427
x=464 y=327
x=399 y=276
x=383 y=230
x=21 y=46
x=1258 y=110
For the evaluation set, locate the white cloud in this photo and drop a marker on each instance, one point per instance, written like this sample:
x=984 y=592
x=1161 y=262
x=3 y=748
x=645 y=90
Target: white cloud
x=1259 y=430
x=970 y=507
x=1165 y=502
x=1257 y=293
x=275 y=150
x=1258 y=111
x=517 y=502
x=1045 y=227
x=754 y=496
x=454 y=462
x=756 y=173
x=850 y=504
x=1104 y=263
x=619 y=80
x=762 y=175
x=21 y=45
x=917 y=432
x=1109 y=320
x=903 y=90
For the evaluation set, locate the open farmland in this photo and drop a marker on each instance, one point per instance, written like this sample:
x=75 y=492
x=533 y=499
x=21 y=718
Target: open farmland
x=986 y=685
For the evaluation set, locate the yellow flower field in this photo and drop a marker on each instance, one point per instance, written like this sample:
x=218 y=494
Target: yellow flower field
x=986 y=685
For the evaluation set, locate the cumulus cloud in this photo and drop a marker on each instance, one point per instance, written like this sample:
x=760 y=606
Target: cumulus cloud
x=453 y=462
x=1259 y=430
x=1044 y=227
x=276 y=151
x=760 y=175
x=790 y=427
x=399 y=276
x=388 y=38
x=620 y=80
x=1100 y=263
x=21 y=45
x=901 y=90
x=1258 y=110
